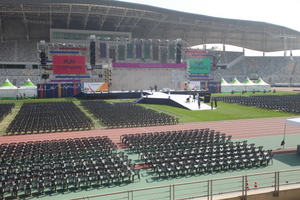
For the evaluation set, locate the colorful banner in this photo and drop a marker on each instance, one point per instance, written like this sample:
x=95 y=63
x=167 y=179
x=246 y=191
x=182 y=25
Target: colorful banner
x=95 y=87
x=149 y=65
x=69 y=65
x=56 y=90
x=199 y=65
x=196 y=53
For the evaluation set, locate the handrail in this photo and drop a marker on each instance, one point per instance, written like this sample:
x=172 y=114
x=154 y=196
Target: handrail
x=211 y=186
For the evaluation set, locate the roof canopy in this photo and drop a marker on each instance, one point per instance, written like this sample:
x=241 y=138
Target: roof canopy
x=295 y=121
x=261 y=82
x=28 y=83
x=248 y=81
x=235 y=82
x=7 y=83
x=140 y=19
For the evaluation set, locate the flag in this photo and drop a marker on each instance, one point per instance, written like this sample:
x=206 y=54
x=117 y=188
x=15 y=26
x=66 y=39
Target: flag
x=291 y=55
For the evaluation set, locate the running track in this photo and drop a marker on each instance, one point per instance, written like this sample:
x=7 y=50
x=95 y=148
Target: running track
x=239 y=129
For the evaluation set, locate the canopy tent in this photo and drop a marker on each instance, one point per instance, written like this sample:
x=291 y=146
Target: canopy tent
x=226 y=87
x=28 y=83
x=28 y=89
x=262 y=85
x=7 y=83
x=8 y=90
x=237 y=86
x=249 y=85
x=295 y=122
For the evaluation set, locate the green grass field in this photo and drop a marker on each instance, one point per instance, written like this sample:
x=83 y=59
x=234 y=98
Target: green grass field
x=225 y=111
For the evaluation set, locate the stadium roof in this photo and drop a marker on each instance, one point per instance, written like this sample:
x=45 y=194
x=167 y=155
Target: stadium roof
x=149 y=22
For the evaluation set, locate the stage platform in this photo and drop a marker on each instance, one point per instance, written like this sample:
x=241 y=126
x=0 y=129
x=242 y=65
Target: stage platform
x=177 y=100
x=163 y=97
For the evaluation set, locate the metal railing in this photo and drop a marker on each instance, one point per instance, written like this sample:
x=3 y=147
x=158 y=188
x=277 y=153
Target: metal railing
x=237 y=185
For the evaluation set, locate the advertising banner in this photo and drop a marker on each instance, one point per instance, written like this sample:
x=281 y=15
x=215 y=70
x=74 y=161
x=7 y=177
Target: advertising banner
x=69 y=65
x=56 y=90
x=95 y=87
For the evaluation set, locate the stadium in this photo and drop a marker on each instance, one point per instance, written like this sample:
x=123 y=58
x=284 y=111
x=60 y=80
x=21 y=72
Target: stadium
x=68 y=66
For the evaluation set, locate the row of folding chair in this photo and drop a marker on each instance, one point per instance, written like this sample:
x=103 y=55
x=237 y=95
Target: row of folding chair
x=5 y=109
x=284 y=103
x=42 y=117
x=53 y=182
x=132 y=114
x=213 y=164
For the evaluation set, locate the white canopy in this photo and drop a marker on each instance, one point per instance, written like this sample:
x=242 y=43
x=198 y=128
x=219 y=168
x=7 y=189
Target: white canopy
x=295 y=121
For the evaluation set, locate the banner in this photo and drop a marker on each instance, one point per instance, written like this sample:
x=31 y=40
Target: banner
x=56 y=90
x=147 y=54
x=138 y=51
x=102 y=50
x=69 y=65
x=121 y=52
x=149 y=65
x=199 y=65
x=95 y=87
x=129 y=50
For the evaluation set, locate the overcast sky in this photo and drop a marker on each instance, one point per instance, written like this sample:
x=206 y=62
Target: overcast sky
x=285 y=13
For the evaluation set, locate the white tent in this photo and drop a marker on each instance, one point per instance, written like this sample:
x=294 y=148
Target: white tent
x=295 y=122
x=237 y=86
x=249 y=85
x=8 y=90
x=28 y=88
x=226 y=87
x=262 y=85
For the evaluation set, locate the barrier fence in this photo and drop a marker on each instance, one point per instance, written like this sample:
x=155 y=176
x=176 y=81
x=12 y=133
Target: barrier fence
x=237 y=185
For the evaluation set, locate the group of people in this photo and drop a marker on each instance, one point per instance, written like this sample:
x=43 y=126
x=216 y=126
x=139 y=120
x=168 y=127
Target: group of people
x=212 y=102
x=155 y=88
x=188 y=100
x=22 y=96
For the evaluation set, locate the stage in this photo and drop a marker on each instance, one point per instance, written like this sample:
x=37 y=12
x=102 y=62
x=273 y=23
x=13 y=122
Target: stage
x=177 y=100
x=172 y=98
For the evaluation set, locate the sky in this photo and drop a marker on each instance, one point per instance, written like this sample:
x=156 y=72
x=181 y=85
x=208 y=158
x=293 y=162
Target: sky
x=284 y=13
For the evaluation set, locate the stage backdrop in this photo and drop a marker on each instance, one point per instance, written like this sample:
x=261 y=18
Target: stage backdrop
x=58 y=90
x=211 y=86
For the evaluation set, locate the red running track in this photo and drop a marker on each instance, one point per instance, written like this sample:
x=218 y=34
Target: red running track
x=239 y=129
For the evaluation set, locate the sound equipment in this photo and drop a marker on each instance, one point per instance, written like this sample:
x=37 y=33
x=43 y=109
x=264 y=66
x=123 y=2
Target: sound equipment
x=92 y=53
x=206 y=98
x=178 y=53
